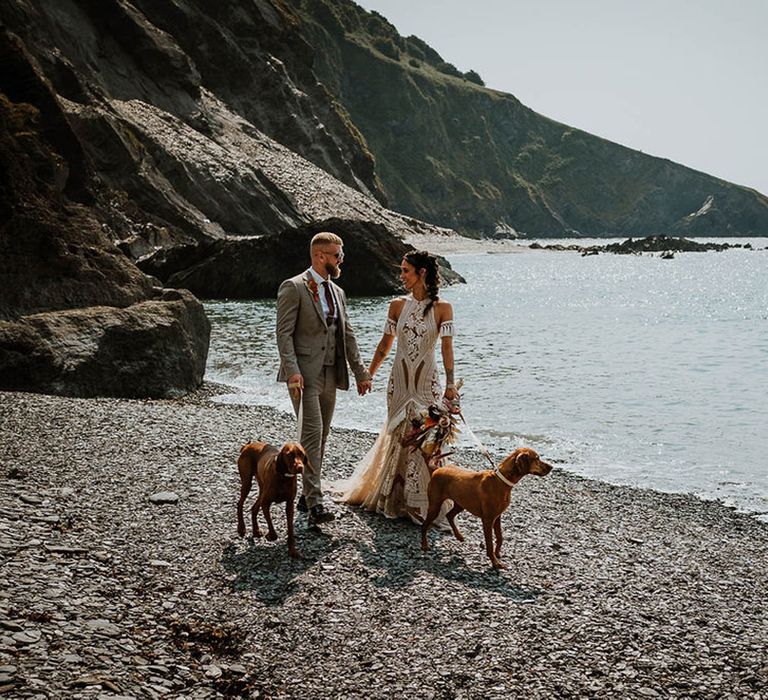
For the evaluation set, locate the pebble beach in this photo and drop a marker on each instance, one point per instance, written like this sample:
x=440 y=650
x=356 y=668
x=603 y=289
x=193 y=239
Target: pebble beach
x=611 y=592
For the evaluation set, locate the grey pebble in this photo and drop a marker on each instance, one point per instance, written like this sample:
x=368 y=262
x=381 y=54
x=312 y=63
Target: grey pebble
x=30 y=499
x=164 y=497
x=103 y=627
x=27 y=636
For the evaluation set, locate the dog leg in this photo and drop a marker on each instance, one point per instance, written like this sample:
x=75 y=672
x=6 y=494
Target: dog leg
x=488 y=532
x=451 y=515
x=499 y=538
x=432 y=513
x=289 y=512
x=246 y=479
x=271 y=534
x=255 y=515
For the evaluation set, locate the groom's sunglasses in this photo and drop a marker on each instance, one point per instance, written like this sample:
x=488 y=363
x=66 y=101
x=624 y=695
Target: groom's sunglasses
x=339 y=256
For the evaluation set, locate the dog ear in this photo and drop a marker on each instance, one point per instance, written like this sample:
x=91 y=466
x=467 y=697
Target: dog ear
x=522 y=463
x=282 y=462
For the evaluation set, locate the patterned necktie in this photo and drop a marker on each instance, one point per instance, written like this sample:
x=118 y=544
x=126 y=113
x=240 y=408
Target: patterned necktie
x=329 y=301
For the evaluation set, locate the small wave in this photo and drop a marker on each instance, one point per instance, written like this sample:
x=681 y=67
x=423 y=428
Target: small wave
x=511 y=435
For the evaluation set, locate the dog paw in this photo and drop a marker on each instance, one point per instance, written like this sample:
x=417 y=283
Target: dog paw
x=257 y=533
x=241 y=531
x=294 y=554
x=271 y=536
x=498 y=565
x=459 y=536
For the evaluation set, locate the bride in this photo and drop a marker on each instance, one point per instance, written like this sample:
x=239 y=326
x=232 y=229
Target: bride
x=392 y=479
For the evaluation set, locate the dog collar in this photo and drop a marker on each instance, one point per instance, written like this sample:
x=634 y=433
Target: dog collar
x=290 y=476
x=502 y=477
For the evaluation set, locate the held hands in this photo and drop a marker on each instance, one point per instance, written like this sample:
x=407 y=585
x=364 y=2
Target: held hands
x=364 y=387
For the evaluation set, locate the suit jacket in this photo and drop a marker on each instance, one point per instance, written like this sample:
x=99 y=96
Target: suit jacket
x=302 y=333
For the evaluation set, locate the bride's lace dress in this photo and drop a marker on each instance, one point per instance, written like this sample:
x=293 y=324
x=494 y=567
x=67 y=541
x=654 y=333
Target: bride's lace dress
x=392 y=479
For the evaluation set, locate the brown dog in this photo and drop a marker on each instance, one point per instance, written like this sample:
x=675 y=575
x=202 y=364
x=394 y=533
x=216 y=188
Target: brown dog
x=276 y=472
x=485 y=494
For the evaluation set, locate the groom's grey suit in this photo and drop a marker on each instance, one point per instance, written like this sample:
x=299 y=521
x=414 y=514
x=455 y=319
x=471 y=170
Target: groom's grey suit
x=320 y=353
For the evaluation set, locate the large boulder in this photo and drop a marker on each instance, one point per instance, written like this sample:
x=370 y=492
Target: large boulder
x=153 y=349
x=253 y=267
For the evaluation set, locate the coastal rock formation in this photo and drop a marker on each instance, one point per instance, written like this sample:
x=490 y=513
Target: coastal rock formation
x=456 y=153
x=115 y=147
x=188 y=154
x=649 y=244
x=76 y=316
x=152 y=349
x=253 y=267
x=207 y=142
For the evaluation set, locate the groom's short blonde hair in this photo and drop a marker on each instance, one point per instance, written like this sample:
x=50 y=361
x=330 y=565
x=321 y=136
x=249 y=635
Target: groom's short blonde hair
x=324 y=238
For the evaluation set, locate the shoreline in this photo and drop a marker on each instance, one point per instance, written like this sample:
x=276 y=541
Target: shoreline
x=471 y=456
x=611 y=590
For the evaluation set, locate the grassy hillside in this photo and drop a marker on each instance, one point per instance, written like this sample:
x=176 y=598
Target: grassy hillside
x=451 y=151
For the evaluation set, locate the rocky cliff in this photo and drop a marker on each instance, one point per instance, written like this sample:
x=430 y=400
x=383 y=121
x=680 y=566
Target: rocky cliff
x=143 y=133
x=204 y=123
x=453 y=152
x=76 y=316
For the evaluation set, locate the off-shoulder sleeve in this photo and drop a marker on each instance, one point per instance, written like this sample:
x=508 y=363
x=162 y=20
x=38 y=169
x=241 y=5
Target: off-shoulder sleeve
x=390 y=327
x=446 y=329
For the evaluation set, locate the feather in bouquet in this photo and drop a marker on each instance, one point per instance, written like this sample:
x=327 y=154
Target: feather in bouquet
x=431 y=430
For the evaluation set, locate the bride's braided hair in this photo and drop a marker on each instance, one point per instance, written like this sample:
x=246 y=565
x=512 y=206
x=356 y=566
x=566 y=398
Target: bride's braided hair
x=421 y=259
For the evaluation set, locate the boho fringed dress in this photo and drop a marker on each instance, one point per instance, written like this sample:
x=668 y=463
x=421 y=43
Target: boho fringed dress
x=392 y=479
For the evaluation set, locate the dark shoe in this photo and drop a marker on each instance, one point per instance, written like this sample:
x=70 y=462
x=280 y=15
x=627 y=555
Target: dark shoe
x=301 y=506
x=319 y=515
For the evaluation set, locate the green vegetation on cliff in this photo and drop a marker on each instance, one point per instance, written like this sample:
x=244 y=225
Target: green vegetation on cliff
x=453 y=152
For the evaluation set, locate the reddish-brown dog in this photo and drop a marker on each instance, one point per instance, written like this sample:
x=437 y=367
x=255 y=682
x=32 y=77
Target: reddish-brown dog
x=485 y=494
x=276 y=472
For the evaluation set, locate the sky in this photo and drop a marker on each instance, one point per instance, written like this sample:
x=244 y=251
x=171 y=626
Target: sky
x=680 y=79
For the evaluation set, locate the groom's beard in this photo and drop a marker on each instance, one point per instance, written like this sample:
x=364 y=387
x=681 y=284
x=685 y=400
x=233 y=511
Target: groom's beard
x=334 y=271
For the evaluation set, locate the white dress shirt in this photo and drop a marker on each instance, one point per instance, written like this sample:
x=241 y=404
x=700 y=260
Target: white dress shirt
x=321 y=293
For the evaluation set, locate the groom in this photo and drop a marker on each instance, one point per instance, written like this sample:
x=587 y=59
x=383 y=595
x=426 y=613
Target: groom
x=315 y=342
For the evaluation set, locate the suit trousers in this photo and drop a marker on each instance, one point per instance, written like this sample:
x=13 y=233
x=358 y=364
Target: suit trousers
x=318 y=401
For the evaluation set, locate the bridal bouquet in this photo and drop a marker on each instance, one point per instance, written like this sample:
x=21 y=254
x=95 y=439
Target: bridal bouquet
x=432 y=429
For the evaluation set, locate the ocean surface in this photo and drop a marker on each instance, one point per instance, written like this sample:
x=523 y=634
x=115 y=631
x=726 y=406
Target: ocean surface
x=630 y=369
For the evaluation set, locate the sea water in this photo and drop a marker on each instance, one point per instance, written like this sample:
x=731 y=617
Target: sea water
x=627 y=368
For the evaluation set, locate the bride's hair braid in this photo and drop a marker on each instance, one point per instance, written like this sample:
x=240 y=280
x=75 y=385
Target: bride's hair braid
x=422 y=260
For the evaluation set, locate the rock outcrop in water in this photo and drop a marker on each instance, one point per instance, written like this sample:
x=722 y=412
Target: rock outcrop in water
x=649 y=244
